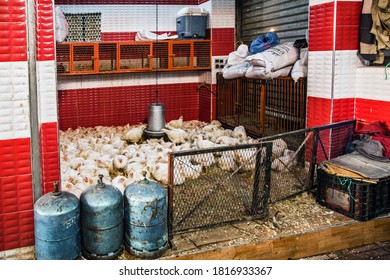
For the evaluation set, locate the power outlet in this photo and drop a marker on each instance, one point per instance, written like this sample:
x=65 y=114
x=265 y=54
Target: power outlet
x=219 y=63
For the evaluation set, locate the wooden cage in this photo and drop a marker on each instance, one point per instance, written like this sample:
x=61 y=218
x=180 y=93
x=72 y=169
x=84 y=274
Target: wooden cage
x=263 y=107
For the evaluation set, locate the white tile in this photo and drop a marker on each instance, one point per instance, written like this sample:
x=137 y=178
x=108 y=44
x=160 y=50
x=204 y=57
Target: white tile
x=320 y=74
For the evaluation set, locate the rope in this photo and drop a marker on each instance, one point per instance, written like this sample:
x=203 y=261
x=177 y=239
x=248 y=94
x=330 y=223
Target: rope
x=388 y=64
x=343 y=182
x=156 y=94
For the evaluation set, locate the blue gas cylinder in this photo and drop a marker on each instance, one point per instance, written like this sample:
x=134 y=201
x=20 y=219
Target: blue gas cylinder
x=57 y=226
x=145 y=215
x=101 y=209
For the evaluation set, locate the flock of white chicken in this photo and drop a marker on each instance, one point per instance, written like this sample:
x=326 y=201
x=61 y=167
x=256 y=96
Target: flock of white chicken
x=123 y=156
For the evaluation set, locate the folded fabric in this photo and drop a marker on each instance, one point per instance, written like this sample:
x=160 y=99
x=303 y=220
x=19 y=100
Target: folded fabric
x=60 y=24
x=264 y=42
x=144 y=35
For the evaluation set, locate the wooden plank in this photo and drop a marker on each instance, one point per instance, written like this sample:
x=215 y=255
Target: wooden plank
x=303 y=245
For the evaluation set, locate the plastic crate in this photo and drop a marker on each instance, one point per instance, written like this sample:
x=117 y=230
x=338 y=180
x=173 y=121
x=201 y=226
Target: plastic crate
x=359 y=200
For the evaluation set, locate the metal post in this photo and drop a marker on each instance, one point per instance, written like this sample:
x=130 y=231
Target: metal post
x=33 y=100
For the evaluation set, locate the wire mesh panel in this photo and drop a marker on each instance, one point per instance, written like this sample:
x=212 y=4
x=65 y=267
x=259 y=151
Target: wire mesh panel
x=213 y=186
x=181 y=55
x=202 y=54
x=295 y=156
x=134 y=56
x=290 y=168
x=160 y=55
x=83 y=58
x=107 y=57
x=63 y=58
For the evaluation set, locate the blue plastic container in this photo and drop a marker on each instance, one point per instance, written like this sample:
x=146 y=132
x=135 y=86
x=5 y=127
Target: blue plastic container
x=191 y=23
x=145 y=215
x=101 y=209
x=57 y=226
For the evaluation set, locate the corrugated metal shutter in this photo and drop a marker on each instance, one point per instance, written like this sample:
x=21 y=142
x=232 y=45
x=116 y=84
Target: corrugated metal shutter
x=289 y=19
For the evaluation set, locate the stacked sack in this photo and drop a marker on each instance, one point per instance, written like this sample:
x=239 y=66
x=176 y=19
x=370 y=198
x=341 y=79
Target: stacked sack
x=267 y=59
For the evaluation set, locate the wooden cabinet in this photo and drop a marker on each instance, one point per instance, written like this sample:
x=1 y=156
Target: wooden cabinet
x=78 y=58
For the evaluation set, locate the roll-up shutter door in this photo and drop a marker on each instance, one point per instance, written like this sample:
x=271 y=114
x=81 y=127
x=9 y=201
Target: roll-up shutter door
x=289 y=19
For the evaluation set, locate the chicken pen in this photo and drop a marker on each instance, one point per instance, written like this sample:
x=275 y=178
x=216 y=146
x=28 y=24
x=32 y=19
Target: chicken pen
x=263 y=107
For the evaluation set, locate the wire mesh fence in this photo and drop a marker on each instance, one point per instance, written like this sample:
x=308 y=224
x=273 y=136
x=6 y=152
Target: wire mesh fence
x=214 y=186
x=211 y=187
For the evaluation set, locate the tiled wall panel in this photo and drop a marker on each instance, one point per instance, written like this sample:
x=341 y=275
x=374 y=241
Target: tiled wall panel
x=45 y=30
x=13 y=32
x=368 y=110
x=321 y=27
x=222 y=41
x=91 y=107
x=348 y=23
x=17 y=230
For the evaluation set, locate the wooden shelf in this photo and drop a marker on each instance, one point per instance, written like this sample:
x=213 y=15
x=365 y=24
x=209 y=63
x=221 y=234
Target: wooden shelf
x=83 y=58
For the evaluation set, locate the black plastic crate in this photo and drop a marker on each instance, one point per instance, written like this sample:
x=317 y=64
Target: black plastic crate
x=359 y=200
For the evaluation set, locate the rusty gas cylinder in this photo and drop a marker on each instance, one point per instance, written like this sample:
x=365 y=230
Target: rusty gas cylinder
x=101 y=209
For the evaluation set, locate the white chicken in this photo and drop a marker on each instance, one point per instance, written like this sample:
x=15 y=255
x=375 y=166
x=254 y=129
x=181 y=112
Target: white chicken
x=278 y=147
x=246 y=158
x=228 y=141
x=239 y=132
x=187 y=169
x=283 y=162
x=160 y=172
x=205 y=160
x=227 y=162
x=120 y=162
x=176 y=135
x=175 y=123
x=203 y=143
x=119 y=182
x=134 y=134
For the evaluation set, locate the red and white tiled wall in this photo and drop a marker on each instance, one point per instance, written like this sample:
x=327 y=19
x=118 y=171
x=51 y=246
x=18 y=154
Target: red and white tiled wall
x=16 y=203
x=65 y=102
x=339 y=87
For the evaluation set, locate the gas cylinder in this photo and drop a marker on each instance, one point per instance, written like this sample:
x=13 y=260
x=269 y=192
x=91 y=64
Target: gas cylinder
x=145 y=215
x=57 y=226
x=101 y=211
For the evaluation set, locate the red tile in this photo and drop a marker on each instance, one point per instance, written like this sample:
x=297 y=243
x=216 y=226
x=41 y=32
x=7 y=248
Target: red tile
x=318 y=111
x=321 y=27
x=368 y=111
x=222 y=41
x=19 y=228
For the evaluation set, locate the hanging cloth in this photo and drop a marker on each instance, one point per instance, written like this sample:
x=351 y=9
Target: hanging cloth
x=368 y=49
x=380 y=11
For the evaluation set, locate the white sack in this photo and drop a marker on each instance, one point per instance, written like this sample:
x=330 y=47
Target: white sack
x=258 y=72
x=236 y=70
x=298 y=70
x=275 y=58
x=60 y=24
x=239 y=55
x=144 y=35
x=304 y=56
